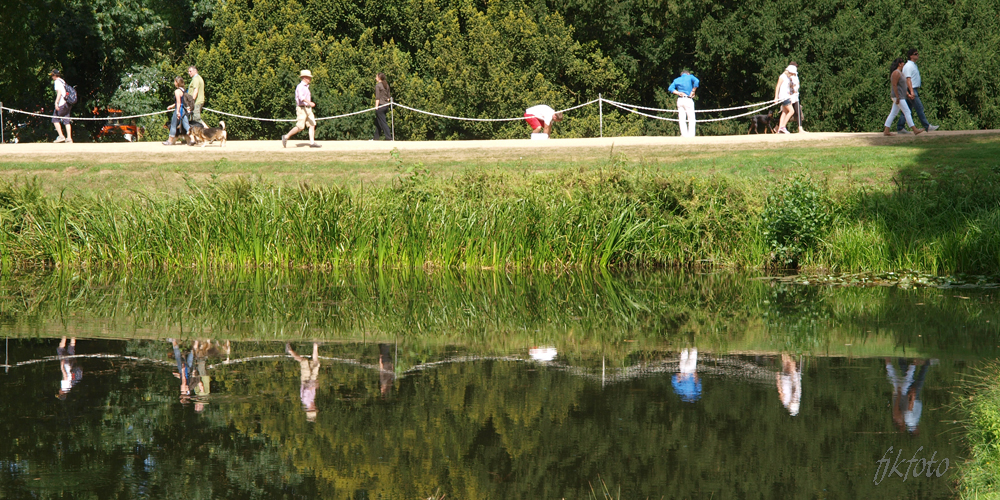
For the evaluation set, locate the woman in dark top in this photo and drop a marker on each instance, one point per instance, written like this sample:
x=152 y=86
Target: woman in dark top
x=179 y=115
x=898 y=89
x=382 y=99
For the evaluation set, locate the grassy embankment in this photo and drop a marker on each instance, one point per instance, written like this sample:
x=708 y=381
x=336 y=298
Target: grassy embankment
x=980 y=476
x=930 y=205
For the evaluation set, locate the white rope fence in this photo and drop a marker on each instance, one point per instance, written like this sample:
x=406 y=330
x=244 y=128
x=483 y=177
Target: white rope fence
x=86 y=118
x=487 y=119
x=631 y=108
x=290 y=120
x=717 y=110
x=626 y=107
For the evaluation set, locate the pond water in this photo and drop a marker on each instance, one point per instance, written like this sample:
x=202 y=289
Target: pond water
x=301 y=385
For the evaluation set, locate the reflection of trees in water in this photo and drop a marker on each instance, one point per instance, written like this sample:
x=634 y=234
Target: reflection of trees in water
x=510 y=427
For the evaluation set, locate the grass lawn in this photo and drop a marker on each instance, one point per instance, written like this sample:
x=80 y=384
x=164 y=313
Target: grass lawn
x=842 y=163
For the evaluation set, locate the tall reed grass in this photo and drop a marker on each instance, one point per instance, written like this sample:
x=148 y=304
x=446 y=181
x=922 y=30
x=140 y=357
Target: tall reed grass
x=605 y=218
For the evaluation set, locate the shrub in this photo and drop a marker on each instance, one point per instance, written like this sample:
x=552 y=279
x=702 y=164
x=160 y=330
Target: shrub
x=795 y=218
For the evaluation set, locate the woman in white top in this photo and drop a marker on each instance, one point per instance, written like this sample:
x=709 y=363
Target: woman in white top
x=783 y=93
x=898 y=89
x=61 y=108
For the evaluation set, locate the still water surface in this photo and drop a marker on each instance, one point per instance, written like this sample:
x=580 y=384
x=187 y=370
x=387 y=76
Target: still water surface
x=653 y=386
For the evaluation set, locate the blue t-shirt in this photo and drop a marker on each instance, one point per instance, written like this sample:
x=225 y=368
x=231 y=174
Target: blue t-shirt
x=684 y=83
x=687 y=387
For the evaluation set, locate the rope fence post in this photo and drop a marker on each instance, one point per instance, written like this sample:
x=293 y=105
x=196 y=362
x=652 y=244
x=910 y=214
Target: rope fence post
x=392 y=119
x=600 y=111
x=1 y=122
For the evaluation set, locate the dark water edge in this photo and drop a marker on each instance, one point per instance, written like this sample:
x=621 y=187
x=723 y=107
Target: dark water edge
x=464 y=425
x=482 y=385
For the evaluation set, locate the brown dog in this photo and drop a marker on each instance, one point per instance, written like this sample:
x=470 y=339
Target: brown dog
x=206 y=135
x=761 y=122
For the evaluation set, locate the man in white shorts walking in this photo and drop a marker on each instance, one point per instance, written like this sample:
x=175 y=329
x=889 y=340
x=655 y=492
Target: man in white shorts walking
x=303 y=111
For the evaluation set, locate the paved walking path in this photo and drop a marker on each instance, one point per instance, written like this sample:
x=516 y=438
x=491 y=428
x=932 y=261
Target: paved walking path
x=344 y=150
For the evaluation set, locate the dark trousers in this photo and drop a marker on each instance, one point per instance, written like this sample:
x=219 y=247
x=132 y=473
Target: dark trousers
x=381 y=124
x=917 y=107
x=798 y=112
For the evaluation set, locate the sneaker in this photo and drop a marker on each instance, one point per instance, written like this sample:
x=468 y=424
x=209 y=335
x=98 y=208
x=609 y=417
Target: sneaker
x=932 y=128
x=69 y=141
x=904 y=131
x=314 y=145
x=783 y=131
x=918 y=131
x=60 y=139
x=284 y=141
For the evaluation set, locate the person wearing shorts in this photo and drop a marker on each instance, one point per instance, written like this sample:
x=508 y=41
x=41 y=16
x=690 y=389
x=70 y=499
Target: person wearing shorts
x=303 y=111
x=61 y=107
x=309 y=379
x=541 y=117
x=783 y=94
x=796 y=107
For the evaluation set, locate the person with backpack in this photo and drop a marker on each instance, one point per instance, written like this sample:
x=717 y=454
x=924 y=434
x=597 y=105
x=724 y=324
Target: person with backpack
x=180 y=114
x=65 y=99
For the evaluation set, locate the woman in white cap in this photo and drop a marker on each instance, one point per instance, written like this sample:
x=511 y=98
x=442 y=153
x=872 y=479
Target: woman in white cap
x=783 y=93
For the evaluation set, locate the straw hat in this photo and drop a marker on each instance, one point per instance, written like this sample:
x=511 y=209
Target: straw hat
x=305 y=72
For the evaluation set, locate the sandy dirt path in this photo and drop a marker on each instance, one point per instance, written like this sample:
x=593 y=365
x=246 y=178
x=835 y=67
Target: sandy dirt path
x=493 y=150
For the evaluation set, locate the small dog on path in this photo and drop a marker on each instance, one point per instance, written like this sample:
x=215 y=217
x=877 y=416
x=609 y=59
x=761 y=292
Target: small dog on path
x=206 y=135
x=761 y=122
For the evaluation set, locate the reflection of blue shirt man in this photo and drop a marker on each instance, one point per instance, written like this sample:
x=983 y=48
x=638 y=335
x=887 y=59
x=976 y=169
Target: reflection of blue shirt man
x=686 y=383
x=684 y=88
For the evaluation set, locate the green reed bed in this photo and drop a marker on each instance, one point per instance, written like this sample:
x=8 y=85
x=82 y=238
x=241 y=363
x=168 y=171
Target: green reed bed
x=616 y=215
x=980 y=475
x=482 y=219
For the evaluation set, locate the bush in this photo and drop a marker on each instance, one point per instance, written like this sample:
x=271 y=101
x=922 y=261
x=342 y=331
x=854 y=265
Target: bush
x=795 y=218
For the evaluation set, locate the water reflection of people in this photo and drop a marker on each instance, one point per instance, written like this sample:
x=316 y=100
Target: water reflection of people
x=790 y=384
x=686 y=382
x=543 y=354
x=309 y=371
x=906 y=404
x=184 y=370
x=386 y=370
x=203 y=381
x=68 y=368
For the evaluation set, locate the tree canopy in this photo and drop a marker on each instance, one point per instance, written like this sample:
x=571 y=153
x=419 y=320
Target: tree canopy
x=494 y=58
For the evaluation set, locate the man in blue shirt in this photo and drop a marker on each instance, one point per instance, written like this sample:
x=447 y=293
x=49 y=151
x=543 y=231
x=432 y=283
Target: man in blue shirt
x=684 y=88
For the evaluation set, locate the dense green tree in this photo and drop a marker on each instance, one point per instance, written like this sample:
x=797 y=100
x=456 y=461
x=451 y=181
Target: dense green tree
x=479 y=58
x=101 y=46
x=465 y=61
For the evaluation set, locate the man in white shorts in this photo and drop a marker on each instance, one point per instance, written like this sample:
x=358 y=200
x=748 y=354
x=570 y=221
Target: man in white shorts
x=303 y=111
